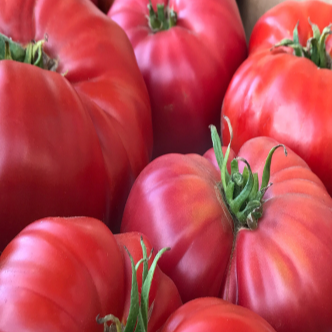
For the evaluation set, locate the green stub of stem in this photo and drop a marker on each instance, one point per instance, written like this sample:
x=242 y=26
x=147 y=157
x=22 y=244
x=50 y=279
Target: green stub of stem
x=32 y=53
x=315 y=49
x=162 y=19
x=241 y=191
x=139 y=311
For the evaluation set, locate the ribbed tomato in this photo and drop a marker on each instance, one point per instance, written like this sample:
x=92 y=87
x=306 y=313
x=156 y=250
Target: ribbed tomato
x=284 y=92
x=74 y=137
x=264 y=247
x=187 y=52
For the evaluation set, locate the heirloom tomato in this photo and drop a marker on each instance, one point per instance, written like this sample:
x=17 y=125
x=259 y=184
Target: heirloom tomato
x=63 y=274
x=58 y=274
x=283 y=89
x=187 y=52
x=215 y=315
x=234 y=235
x=72 y=138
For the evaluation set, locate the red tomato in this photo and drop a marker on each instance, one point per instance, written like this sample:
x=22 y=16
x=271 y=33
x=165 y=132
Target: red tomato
x=73 y=144
x=58 y=275
x=279 y=270
x=215 y=315
x=186 y=68
x=277 y=94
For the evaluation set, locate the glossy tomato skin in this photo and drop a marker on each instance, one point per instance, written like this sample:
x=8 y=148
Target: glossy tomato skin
x=276 y=94
x=186 y=68
x=280 y=270
x=164 y=298
x=71 y=144
x=176 y=203
x=58 y=274
x=215 y=315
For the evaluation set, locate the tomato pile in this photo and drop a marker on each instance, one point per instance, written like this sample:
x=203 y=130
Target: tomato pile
x=161 y=173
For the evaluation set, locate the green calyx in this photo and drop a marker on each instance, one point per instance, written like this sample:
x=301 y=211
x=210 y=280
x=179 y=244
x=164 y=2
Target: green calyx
x=315 y=49
x=32 y=53
x=161 y=19
x=139 y=311
x=241 y=191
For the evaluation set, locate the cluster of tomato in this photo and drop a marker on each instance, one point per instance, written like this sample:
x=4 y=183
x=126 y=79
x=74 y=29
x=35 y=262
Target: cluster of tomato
x=123 y=207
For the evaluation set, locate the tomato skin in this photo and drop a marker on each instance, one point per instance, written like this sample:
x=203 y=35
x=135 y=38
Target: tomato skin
x=187 y=68
x=73 y=144
x=58 y=274
x=279 y=270
x=212 y=314
x=279 y=95
x=164 y=297
x=175 y=203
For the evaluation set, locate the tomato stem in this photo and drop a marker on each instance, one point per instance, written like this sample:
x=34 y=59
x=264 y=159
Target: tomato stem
x=138 y=316
x=315 y=50
x=241 y=191
x=162 y=19
x=32 y=53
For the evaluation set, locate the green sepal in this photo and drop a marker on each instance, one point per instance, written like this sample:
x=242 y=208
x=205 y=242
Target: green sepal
x=32 y=53
x=139 y=313
x=162 y=19
x=315 y=49
x=238 y=201
x=216 y=143
x=147 y=286
x=236 y=177
x=241 y=191
x=16 y=51
x=255 y=188
x=134 y=298
x=296 y=41
x=245 y=174
x=267 y=167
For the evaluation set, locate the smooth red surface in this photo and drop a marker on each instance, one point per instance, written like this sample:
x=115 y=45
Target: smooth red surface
x=187 y=68
x=280 y=270
x=279 y=95
x=69 y=145
x=176 y=203
x=58 y=274
x=215 y=315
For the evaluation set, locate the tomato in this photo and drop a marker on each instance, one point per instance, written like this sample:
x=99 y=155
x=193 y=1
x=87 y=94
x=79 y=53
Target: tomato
x=72 y=141
x=212 y=314
x=277 y=94
x=58 y=274
x=268 y=253
x=186 y=67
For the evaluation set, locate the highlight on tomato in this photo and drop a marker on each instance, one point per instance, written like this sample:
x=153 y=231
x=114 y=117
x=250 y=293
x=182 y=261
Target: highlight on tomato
x=187 y=52
x=256 y=234
x=75 y=126
x=215 y=315
x=282 y=90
